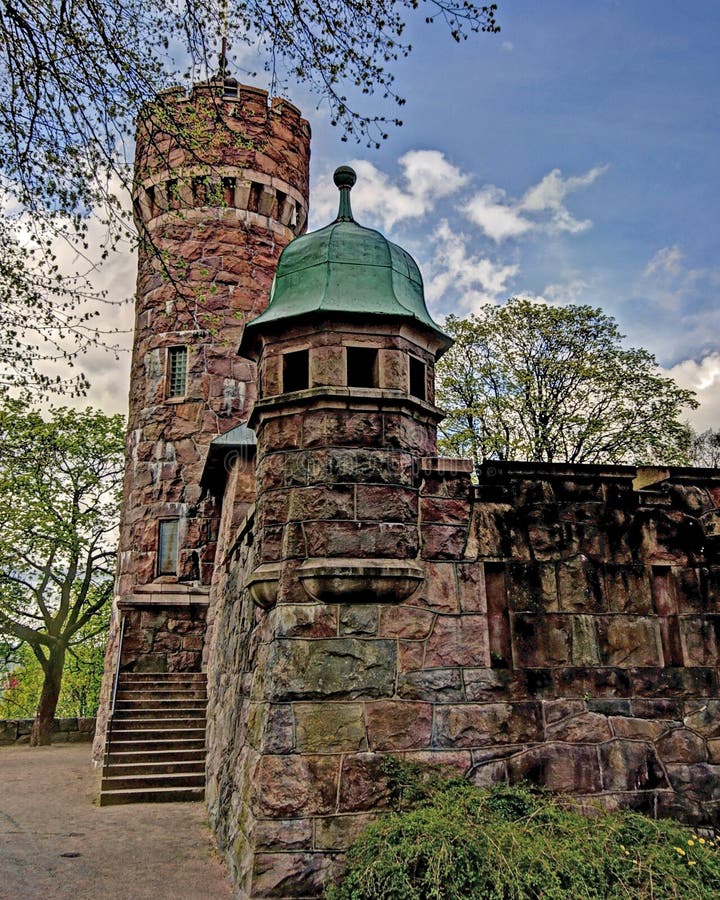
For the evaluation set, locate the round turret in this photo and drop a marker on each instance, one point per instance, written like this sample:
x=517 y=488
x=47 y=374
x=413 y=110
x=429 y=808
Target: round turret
x=346 y=354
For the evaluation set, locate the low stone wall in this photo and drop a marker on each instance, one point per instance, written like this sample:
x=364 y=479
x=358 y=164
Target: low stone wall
x=567 y=633
x=64 y=731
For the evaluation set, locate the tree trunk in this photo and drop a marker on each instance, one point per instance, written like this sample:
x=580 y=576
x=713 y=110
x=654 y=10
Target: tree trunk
x=41 y=733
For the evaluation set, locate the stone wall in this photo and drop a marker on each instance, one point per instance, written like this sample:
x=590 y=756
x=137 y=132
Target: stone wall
x=566 y=633
x=64 y=731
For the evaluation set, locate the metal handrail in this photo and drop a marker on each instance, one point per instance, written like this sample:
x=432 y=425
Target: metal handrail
x=117 y=666
x=115 y=685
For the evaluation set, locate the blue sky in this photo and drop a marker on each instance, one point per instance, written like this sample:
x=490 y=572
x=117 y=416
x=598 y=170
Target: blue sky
x=574 y=157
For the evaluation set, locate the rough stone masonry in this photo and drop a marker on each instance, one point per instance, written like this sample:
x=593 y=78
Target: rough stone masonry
x=554 y=623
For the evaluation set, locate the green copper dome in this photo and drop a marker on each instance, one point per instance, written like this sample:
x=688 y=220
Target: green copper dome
x=345 y=268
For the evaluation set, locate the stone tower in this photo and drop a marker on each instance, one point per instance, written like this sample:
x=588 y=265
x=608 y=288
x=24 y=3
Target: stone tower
x=217 y=197
x=221 y=187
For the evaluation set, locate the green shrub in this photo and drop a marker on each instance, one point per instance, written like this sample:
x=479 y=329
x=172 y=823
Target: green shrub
x=451 y=841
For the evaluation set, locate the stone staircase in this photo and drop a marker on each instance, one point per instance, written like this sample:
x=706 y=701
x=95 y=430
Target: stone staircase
x=155 y=750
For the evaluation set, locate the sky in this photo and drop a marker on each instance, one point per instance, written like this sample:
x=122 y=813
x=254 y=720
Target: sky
x=572 y=158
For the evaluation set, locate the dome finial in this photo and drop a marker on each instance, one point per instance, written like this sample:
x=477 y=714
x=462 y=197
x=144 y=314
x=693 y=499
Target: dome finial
x=344 y=179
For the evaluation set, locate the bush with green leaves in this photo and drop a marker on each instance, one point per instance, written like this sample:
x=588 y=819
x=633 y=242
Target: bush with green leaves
x=448 y=840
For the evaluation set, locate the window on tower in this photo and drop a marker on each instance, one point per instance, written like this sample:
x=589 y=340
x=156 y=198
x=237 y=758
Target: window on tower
x=177 y=371
x=362 y=367
x=167 y=547
x=296 y=371
x=417 y=378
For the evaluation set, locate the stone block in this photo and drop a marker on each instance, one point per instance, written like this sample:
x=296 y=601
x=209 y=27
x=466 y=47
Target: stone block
x=408 y=622
x=443 y=541
x=629 y=641
x=398 y=724
x=305 y=620
x=658 y=709
x=579 y=586
x=338 y=832
x=289 y=786
x=471 y=587
x=327 y=366
x=700 y=782
x=277 y=733
x=703 y=717
x=458 y=641
x=358 y=618
x=284 y=834
x=439 y=591
x=342 y=429
x=444 y=511
x=630 y=766
x=333 y=667
x=541 y=640
x=555 y=711
x=330 y=727
x=362 y=784
x=532 y=587
x=383 y=503
x=492 y=534
x=289 y=875
x=558 y=767
x=361 y=540
x=699 y=638
x=638 y=729
x=681 y=746
x=587 y=728
x=410 y=655
x=627 y=589
x=322 y=503
x=478 y=725
x=432 y=685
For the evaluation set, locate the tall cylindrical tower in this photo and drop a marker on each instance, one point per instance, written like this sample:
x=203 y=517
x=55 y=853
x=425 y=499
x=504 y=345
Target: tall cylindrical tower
x=221 y=186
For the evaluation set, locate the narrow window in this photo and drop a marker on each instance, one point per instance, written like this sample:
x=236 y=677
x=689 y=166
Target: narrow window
x=168 y=547
x=417 y=378
x=362 y=367
x=177 y=372
x=296 y=371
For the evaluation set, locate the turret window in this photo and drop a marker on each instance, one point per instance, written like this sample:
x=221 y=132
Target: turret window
x=362 y=367
x=296 y=371
x=177 y=372
x=417 y=378
x=167 y=547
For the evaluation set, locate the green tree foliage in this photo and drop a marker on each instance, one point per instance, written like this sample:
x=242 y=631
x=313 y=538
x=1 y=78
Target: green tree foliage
x=60 y=486
x=528 y=381
x=21 y=683
x=456 y=842
x=73 y=78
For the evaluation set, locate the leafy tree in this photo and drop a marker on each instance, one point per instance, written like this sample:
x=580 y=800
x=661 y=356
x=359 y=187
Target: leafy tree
x=705 y=449
x=555 y=384
x=73 y=77
x=60 y=485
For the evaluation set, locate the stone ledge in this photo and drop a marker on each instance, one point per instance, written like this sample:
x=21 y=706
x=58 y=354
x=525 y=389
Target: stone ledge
x=378 y=580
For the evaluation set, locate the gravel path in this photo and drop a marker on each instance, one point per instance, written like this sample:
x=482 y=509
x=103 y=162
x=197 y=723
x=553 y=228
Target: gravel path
x=56 y=843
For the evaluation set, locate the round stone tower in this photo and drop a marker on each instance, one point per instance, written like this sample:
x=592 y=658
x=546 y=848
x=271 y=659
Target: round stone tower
x=346 y=353
x=221 y=186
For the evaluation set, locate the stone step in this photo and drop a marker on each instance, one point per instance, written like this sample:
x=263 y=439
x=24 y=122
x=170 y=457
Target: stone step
x=155 y=745
x=154 y=766
x=169 y=756
x=166 y=696
x=163 y=733
x=159 y=711
x=139 y=723
x=151 y=795
x=162 y=678
x=129 y=782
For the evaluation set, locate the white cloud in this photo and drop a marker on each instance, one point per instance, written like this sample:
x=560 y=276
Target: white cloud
x=427 y=176
x=541 y=208
x=474 y=279
x=703 y=377
x=667 y=261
